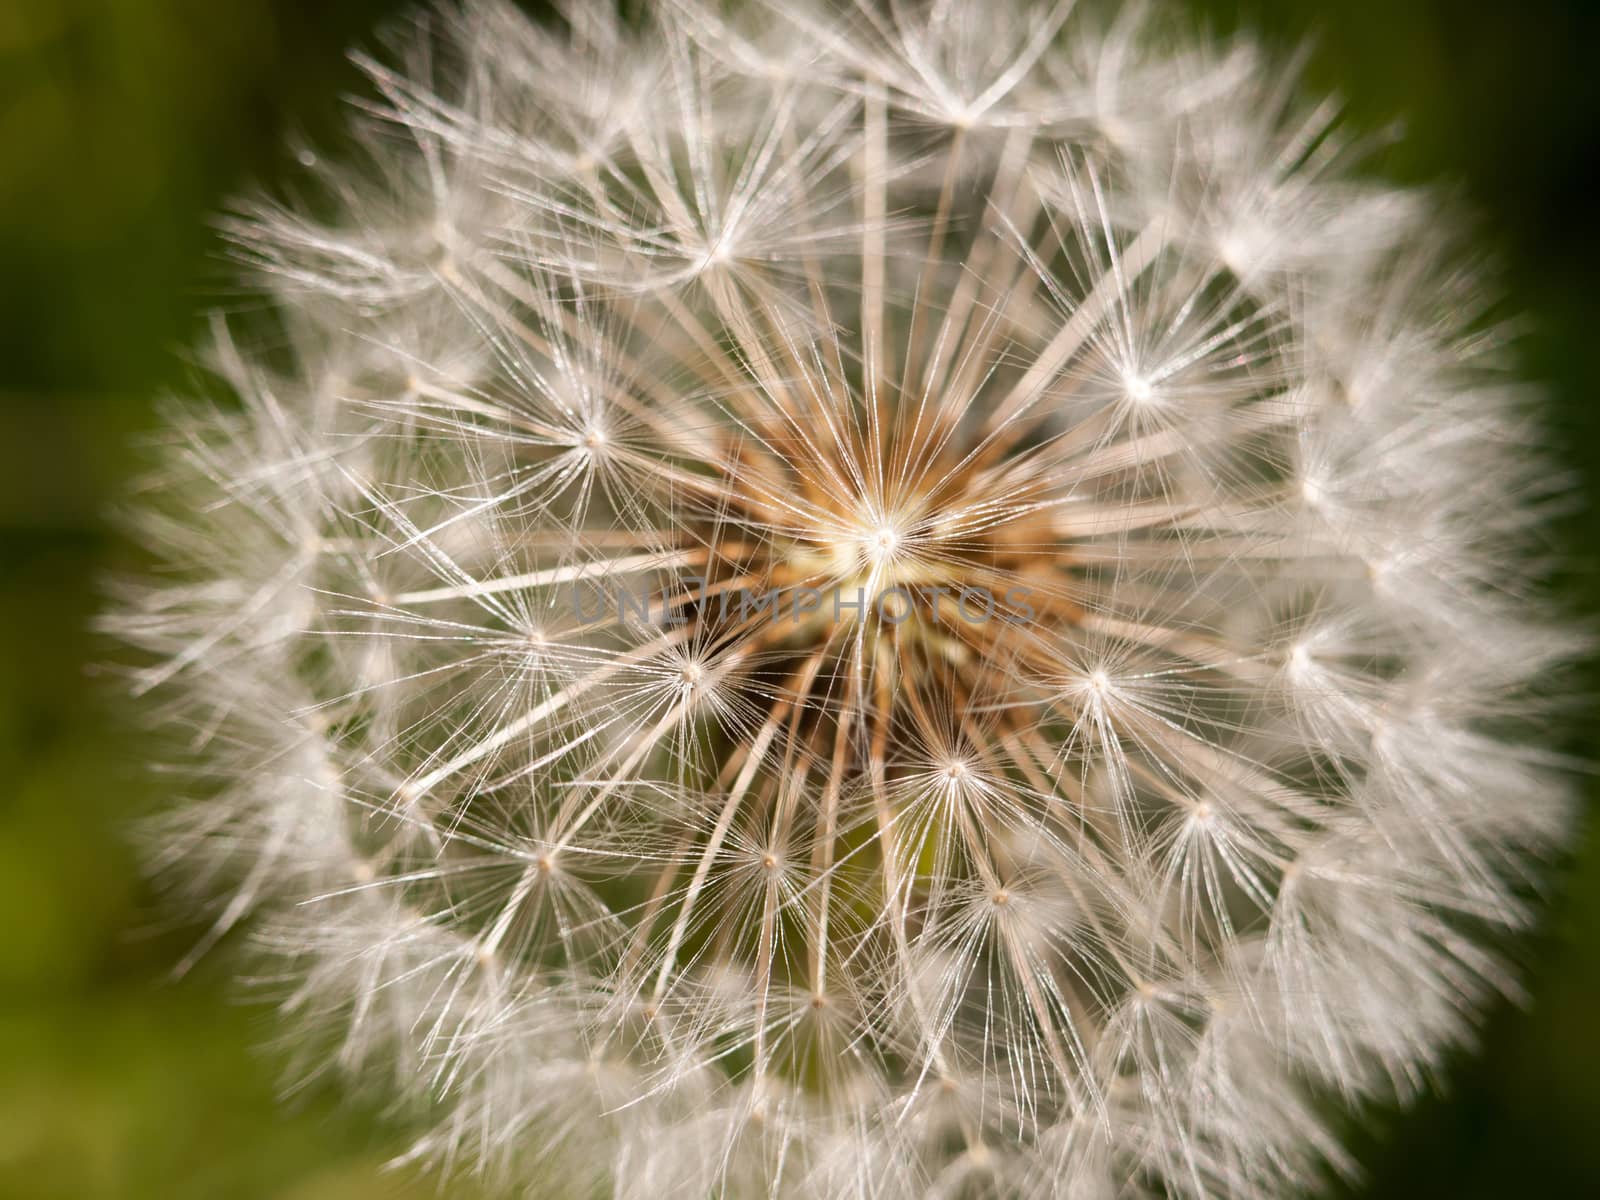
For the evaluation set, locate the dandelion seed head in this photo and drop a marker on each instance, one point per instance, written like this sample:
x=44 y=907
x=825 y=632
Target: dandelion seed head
x=841 y=600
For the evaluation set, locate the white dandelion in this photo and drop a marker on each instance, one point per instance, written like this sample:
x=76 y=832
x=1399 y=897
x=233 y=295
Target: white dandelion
x=857 y=601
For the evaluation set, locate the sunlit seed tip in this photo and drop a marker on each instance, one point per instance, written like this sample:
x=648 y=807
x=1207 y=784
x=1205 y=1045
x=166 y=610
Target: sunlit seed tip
x=1138 y=389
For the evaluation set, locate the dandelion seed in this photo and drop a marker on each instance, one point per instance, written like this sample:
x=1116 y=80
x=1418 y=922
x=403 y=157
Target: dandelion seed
x=857 y=601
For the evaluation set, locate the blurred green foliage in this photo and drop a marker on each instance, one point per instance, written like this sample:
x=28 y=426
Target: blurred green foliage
x=124 y=124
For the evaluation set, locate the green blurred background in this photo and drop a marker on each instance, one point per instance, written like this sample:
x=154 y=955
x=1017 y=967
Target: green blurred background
x=125 y=124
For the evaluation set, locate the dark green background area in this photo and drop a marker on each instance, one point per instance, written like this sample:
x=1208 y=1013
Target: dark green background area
x=125 y=124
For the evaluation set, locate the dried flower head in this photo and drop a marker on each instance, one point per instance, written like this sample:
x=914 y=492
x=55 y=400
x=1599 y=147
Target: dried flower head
x=854 y=601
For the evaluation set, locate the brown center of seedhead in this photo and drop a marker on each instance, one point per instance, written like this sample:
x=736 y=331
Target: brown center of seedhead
x=863 y=594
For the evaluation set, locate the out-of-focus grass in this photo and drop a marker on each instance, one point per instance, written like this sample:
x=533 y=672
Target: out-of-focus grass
x=123 y=125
